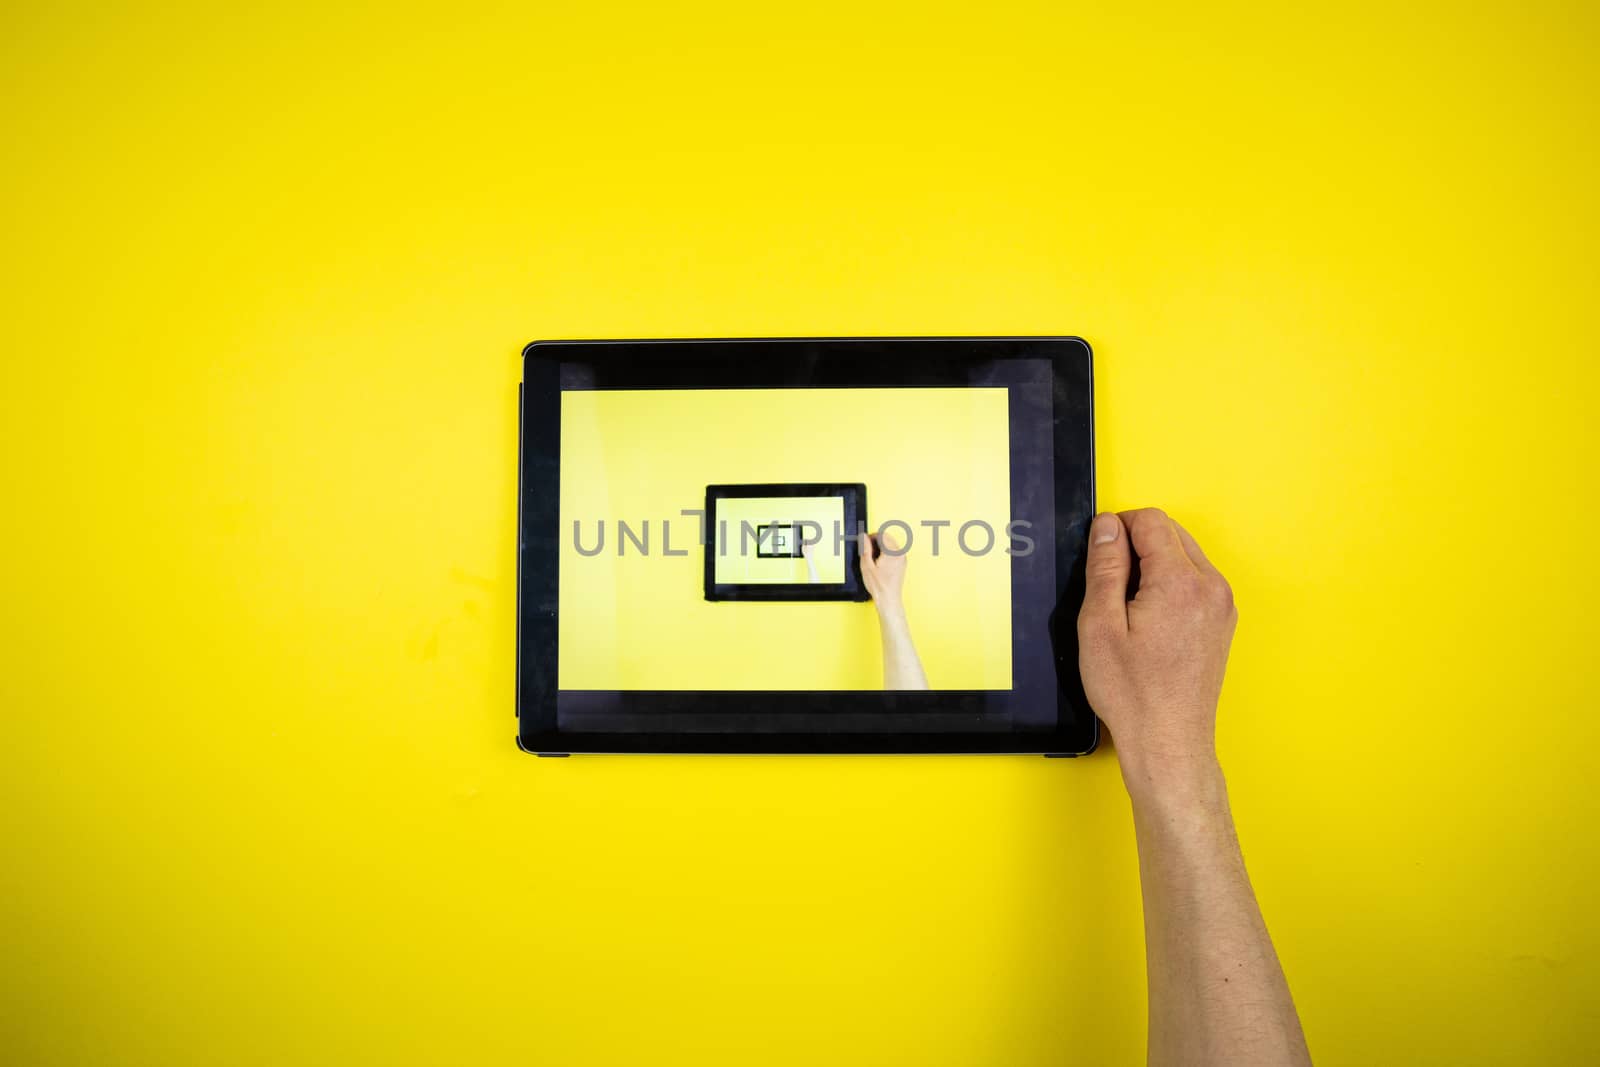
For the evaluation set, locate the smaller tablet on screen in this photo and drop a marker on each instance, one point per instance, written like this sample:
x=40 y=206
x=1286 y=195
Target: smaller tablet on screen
x=796 y=541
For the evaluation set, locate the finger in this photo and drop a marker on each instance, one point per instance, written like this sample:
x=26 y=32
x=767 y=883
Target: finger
x=1191 y=548
x=1105 y=595
x=864 y=551
x=1155 y=541
x=890 y=543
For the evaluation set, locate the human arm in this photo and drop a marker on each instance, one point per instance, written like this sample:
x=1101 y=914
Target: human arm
x=884 y=575
x=808 y=550
x=1152 y=668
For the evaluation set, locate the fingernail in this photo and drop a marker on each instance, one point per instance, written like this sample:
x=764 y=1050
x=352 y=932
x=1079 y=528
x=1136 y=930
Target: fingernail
x=1105 y=528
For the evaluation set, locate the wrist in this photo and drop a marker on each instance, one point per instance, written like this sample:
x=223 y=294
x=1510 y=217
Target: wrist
x=1190 y=781
x=891 y=612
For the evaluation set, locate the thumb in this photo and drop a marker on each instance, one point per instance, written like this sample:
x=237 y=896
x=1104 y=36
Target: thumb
x=1105 y=596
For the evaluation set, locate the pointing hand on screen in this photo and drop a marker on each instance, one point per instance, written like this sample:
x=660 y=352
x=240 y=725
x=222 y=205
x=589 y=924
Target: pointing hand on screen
x=884 y=575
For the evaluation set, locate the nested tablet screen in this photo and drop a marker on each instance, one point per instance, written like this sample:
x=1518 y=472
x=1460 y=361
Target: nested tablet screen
x=779 y=541
x=635 y=466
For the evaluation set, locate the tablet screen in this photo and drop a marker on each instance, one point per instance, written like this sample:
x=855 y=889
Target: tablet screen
x=635 y=467
x=709 y=516
x=778 y=540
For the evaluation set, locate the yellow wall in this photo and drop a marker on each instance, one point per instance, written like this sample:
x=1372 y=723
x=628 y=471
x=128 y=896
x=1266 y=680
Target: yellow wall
x=636 y=621
x=267 y=271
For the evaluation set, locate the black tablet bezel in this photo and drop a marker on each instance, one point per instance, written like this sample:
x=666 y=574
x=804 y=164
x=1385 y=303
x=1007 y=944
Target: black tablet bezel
x=551 y=366
x=855 y=509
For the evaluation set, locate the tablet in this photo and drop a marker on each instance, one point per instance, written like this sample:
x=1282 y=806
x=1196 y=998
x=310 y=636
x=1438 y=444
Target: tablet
x=785 y=542
x=697 y=570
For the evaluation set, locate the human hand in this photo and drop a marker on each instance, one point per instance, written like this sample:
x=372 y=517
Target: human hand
x=885 y=575
x=1152 y=666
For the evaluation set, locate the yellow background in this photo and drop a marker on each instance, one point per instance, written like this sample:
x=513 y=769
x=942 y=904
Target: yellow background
x=267 y=271
x=635 y=621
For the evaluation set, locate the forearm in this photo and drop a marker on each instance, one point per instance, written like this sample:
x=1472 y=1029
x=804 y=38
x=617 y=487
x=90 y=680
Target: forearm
x=1217 y=992
x=901 y=667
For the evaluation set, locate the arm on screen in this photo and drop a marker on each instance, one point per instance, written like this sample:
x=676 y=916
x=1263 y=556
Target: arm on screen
x=1152 y=667
x=884 y=576
x=807 y=549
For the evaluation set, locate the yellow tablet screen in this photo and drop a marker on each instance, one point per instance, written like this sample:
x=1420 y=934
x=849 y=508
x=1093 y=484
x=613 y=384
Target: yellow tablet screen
x=634 y=469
